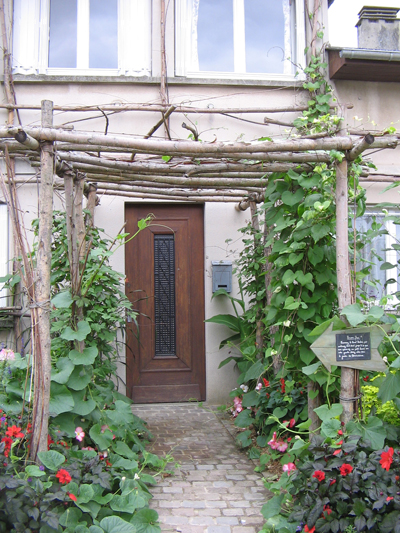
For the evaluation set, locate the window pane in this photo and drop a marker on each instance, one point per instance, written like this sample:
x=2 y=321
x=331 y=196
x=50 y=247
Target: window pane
x=215 y=35
x=372 y=254
x=103 y=34
x=265 y=32
x=63 y=33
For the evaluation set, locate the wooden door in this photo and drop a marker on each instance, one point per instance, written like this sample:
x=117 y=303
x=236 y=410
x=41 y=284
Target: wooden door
x=164 y=265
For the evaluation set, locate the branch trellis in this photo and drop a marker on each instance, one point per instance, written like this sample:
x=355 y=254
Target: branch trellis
x=177 y=170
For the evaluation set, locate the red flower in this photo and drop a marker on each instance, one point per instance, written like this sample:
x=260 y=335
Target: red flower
x=8 y=442
x=326 y=510
x=386 y=459
x=266 y=382
x=72 y=496
x=282 y=385
x=366 y=378
x=306 y=530
x=345 y=469
x=63 y=476
x=318 y=474
x=340 y=432
x=14 y=431
x=336 y=452
x=389 y=498
x=333 y=481
x=339 y=443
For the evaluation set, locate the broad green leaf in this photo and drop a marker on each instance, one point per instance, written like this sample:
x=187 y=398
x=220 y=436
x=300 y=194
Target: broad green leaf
x=372 y=431
x=254 y=371
x=279 y=412
x=87 y=357
x=304 y=425
x=122 y=414
x=80 y=377
x=353 y=314
x=125 y=464
x=315 y=255
x=232 y=322
x=244 y=438
x=330 y=428
x=64 y=369
x=65 y=422
x=102 y=439
x=390 y=387
x=96 y=529
x=146 y=521
x=375 y=313
x=311 y=369
x=34 y=471
x=61 y=400
x=288 y=277
x=319 y=231
x=318 y=330
x=79 y=335
x=62 y=300
x=85 y=494
x=273 y=506
x=304 y=279
x=250 y=399
x=82 y=407
x=127 y=503
x=51 y=459
x=387 y=266
x=121 y=448
x=244 y=419
x=295 y=258
x=71 y=517
x=290 y=198
x=291 y=303
x=325 y=413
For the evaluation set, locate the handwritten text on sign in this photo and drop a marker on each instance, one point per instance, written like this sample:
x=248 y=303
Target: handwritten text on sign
x=353 y=347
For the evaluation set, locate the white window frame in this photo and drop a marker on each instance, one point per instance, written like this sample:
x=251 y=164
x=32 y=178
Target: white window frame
x=390 y=255
x=184 y=53
x=31 y=39
x=4 y=251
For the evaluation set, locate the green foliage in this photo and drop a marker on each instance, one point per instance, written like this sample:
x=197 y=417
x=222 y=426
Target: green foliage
x=338 y=486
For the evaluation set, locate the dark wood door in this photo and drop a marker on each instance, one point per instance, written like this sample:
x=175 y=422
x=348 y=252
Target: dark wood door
x=164 y=265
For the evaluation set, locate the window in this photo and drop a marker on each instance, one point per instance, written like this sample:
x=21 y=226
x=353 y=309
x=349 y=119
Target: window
x=4 y=249
x=97 y=37
x=380 y=236
x=239 y=38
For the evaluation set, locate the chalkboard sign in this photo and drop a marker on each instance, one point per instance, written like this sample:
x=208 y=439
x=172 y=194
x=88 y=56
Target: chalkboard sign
x=353 y=347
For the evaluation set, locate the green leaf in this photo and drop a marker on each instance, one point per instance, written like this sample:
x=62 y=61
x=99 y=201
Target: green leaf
x=387 y=266
x=125 y=464
x=304 y=425
x=353 y=314
x=34 y=471
x=311 y=369
x=291 y=303
x=87 y=357
x=288 y=277
x=145 y=521
x=375 y=313
x=254 y=371
x=61 y=400
x=122 y=414
x=79 y=335
x=244 y=419
x=250 y=399
x=244 y=438
x=127 y=503
x=51 y=459
x=71 y=517
x=62 y=300
x=65 y=369
x=273 y=506
x=315 y=255
x=319 y=231
x=325 y=413
x=102 y=439
x=318 y=330
x=123 y=449
x=279 y=412
x=115 y=524
x=390 y=387
x=330 y=428
x=82 y=407
x=290 y=198
x=80 y=377
x=232 y=322
x=373 y=431
x=85 y=494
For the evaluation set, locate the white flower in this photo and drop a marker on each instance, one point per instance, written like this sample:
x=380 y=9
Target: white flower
x=297 y=437
x=244 y=388
x=385 y=359
x=273 y=352
x=123 y=478
x=295 y=282
x=286 y=323
x=136 y=477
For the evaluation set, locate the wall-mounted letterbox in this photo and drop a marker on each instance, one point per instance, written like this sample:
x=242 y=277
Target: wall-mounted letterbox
x=222 y=275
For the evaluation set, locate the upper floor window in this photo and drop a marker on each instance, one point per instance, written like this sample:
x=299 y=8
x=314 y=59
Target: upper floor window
x=101 y=37
x=239 y=38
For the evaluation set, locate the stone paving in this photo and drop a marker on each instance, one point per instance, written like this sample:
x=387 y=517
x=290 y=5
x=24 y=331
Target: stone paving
x=214 y=489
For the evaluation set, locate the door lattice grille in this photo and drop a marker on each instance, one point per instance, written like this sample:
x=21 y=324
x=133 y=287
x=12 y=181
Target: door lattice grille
x=164 y=295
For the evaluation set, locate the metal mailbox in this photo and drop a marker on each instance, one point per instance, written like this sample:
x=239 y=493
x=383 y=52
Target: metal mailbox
x=221 y=275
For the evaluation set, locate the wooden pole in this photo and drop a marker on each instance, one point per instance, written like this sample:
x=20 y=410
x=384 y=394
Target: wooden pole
x=347 y=389
x=42 y=363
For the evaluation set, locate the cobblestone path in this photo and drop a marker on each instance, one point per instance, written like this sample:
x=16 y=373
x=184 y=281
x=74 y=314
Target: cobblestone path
x=215 y=488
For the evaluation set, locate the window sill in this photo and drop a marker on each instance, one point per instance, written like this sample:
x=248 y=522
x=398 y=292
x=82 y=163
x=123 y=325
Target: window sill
x=151 y=80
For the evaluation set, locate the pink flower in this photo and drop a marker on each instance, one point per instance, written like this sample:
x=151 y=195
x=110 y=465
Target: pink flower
x=79 y=434
x=272 y=442
x=281 y=445
x=258 y=386
x=288 y=467
x=292 y=422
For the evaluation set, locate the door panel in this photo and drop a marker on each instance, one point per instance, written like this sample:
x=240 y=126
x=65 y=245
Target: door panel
x=165 y=282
